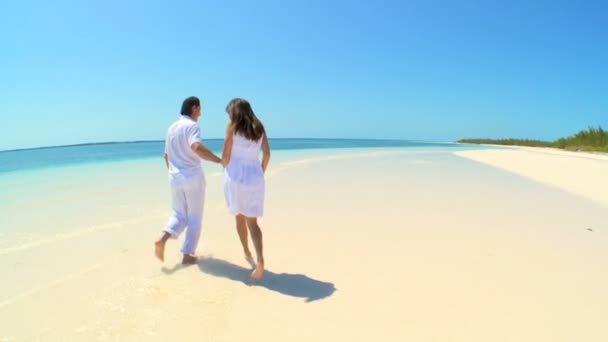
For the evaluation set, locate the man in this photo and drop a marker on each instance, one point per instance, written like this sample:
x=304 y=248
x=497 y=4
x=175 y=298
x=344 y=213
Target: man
x=183 y=148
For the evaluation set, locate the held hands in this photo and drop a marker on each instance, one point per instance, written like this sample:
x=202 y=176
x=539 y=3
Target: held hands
x=219 y=160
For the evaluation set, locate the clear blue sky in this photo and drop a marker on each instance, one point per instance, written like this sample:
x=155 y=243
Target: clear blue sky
x=87 y=71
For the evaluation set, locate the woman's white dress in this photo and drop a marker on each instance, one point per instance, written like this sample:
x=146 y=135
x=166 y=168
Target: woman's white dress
x=244 y=178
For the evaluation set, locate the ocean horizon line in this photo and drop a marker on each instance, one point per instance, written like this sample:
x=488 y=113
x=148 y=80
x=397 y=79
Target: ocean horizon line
x=212 y=139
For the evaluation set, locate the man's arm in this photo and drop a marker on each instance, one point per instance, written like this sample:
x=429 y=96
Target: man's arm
x=199 y=149
x=204 y=153
x=167 y=152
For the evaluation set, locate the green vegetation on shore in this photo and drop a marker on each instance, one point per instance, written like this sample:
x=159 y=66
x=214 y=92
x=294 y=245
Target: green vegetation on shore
x=592 y=139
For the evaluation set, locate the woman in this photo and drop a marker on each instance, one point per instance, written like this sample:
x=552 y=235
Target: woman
x=244 y=176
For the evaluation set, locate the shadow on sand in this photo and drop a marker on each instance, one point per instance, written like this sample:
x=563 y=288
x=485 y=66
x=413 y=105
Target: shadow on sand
x=294 y=285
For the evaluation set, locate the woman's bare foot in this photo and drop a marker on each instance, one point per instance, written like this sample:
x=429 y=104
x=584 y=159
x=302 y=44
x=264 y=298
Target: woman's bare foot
x=258 y=272
x=249 y=260
x=189 y=260
x=159 y=249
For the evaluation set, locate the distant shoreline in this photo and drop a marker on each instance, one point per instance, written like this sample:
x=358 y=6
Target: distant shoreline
x=549 y=150
x=590 y=140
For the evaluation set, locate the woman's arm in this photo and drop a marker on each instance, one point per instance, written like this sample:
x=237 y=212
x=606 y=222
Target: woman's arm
x=266 y=152
x=227 y=145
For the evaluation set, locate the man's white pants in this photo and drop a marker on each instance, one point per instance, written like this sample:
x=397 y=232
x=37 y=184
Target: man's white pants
x=187 y=202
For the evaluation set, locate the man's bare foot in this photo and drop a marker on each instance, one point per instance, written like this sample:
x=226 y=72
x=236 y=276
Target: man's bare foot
x=258 y=272
x=249 y=260
x=159 y=249
x=189 y=260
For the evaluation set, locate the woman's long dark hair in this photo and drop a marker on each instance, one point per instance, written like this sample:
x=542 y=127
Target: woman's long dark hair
x=243 y=119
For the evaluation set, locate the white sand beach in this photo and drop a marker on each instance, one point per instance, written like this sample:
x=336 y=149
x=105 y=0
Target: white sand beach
x=580 y=173
x=387 y=245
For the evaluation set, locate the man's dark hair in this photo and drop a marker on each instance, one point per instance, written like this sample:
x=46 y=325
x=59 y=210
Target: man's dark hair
x=188 y=103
